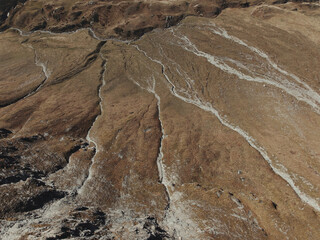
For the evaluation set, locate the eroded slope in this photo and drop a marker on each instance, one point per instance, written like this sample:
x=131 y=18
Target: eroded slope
x=205 y=130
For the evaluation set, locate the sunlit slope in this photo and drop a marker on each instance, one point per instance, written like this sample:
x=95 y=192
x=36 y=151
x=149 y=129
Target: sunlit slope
x=205 y=130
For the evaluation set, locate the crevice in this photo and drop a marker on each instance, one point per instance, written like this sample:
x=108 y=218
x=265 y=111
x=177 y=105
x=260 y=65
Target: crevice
x=22 y=97
x=161 y=171
x=275 y=206
x=37 y=88
x=160 y=154
x=143 y=114
x=73 y=150
x=90 y=59
x=89 y=138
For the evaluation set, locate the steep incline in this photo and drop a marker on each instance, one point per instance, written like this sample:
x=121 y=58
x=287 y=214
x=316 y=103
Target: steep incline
x=204 y=130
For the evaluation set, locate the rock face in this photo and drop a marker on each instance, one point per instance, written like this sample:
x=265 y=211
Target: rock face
x=203 y=128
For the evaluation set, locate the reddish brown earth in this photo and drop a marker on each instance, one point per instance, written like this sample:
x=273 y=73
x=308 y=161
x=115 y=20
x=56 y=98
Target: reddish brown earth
x=203 y=128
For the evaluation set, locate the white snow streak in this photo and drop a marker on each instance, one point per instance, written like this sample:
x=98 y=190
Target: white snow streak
x=305 y=93
x=89 y=136
x=161 y=168
x=177 y=218
x=209 y=108
x=311 y=93
x=44 y=70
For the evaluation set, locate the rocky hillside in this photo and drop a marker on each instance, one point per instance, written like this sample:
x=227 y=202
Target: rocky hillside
x=159 y=120
x=108 y=18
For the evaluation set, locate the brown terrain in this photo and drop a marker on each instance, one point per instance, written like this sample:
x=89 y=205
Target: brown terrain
x=159 y=119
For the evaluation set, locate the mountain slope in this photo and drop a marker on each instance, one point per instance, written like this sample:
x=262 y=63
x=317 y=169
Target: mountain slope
x=204 y=130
